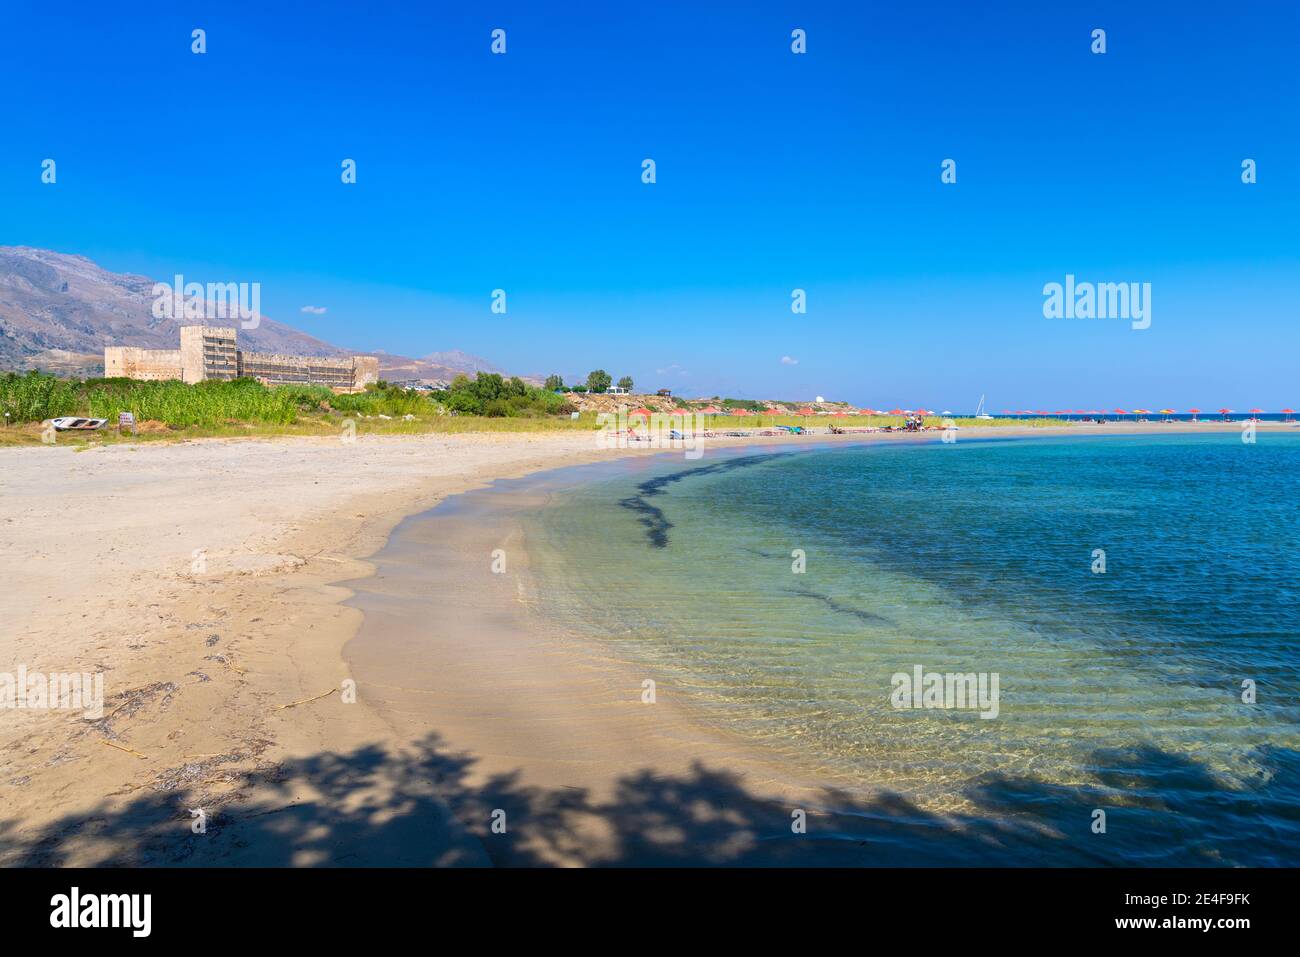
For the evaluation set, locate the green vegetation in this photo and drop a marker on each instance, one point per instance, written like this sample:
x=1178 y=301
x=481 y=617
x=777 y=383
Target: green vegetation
x=181 y=406
x=380 y=399
x=244 y=407
x=35 y=397
x=554 y=382
x=496 y=397
x=625 y=383
x=244 y=404
x=598 y=381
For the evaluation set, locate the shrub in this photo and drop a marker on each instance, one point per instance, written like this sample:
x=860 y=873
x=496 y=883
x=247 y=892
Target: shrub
x=463 y=402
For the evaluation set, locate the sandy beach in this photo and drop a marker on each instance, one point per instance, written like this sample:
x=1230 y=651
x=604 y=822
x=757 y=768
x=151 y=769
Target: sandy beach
x=207 y=582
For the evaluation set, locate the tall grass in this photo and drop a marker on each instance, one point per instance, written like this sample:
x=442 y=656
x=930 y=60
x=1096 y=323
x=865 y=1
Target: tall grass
x=180 y=405
x=35 y=397
x=393 y=402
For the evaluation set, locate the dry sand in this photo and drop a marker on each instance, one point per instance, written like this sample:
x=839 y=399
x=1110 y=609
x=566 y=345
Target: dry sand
x=203 y=580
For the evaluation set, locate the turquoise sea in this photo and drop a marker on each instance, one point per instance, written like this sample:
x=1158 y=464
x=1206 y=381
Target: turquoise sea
x=1120 y=690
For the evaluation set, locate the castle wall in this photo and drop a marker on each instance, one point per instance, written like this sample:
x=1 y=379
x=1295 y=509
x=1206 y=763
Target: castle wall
x=150 y=364
x=366 y=371
x=210 y=352
x=297 y=370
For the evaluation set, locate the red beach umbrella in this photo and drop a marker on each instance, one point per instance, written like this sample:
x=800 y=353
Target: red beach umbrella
x=640 y=413
x=1288 y=413
x=741 y=412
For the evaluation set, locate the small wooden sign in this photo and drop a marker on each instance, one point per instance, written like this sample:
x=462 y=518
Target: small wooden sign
x=126 y=420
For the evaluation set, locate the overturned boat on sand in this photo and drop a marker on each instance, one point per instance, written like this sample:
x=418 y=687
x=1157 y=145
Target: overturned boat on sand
x=72 y=423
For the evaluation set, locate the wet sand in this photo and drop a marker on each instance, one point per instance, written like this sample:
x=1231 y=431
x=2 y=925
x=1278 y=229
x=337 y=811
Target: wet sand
x=450 y=646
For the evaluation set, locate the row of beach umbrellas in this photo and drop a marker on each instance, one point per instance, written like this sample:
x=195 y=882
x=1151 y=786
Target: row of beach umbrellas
x=711 y=410
x=1224 y=411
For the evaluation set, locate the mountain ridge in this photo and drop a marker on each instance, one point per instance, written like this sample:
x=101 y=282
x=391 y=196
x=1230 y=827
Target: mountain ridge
x=59 y=310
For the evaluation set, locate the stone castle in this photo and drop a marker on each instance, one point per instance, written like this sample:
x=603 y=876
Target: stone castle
x=210 y=352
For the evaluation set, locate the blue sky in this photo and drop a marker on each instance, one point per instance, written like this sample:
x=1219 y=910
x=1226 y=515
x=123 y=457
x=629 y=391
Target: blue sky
x=775 y=172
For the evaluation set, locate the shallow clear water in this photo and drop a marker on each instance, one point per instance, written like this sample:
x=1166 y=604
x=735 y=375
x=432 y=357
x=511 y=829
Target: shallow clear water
x=1119 y=691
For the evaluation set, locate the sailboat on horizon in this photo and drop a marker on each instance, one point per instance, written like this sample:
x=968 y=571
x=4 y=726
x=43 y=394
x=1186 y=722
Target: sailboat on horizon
x=980 y=413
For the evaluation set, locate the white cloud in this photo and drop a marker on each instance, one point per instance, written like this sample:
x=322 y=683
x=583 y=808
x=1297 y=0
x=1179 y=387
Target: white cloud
x=787 y=361
x=313 y=310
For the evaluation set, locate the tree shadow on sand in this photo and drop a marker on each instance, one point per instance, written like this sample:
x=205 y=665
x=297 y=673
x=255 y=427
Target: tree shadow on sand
x=424 y=806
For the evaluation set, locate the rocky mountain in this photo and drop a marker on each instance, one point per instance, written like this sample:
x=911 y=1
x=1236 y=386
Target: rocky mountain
x=400 y=369
x=462 y=362
x=59 y=311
